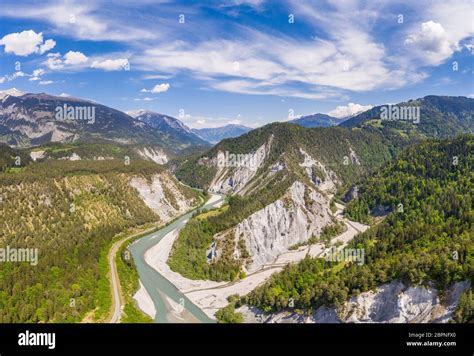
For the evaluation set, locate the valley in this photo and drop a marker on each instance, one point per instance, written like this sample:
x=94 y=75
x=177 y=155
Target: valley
x=282 y=204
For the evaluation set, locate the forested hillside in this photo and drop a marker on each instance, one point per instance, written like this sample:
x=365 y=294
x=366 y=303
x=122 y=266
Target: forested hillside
x=440 y=117
x=329 y=145
x=427 y=234
x=69 y=211
x=10 y=158
x=188 y=256
x=350 y=154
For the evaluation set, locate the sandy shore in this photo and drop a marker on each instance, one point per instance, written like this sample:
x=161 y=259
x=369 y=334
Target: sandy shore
x=144 y=301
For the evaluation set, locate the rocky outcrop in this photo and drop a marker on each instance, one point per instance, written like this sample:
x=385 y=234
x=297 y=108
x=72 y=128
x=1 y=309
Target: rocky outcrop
x=157 y=155
x=233 y=175
x=163 y=195
x=288 y=221
x=397 y=303
x=324 y=178
x=390 y=303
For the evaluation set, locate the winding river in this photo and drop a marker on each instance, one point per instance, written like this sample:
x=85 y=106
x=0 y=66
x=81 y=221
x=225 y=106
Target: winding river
x=166 y=297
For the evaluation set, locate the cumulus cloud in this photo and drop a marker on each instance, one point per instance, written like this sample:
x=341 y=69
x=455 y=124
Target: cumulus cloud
x=111 y=64
x=46 y=46
x=348 y=110
x=159 y=88
x=71 y=59
x=25 y=43
x=36 y=75
x=432 y=42
x=54 y=61
x=74 y=58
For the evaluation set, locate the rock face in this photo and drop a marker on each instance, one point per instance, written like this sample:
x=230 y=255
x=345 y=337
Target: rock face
x=163 y=195
x=290 y=220
x=324 y=178
x=155 y=154
x=233 y=176
x=390 y=303
x=397 y=303
x=170 y=126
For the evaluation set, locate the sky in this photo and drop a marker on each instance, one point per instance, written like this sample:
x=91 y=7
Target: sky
x=248 y=62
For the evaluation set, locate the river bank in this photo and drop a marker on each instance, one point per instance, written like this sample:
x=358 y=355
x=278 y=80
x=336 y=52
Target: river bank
x=211 y=296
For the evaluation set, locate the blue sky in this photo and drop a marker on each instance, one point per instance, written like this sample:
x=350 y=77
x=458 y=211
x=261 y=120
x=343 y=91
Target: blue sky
x=238 y=61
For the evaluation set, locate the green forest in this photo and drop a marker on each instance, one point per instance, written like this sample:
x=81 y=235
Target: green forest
x=427 y=233
x=70 y=211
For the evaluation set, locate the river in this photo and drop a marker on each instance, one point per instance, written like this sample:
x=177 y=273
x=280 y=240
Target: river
x=157 y=286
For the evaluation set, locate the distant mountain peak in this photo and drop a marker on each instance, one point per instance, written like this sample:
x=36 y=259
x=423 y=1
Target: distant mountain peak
x=30 y=119
x=11 y=92
x=316 y=120
x=136 y=113
x=167 y=124
x=217 y=134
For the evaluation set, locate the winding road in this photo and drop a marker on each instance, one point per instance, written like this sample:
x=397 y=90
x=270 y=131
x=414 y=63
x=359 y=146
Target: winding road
x=117 y=301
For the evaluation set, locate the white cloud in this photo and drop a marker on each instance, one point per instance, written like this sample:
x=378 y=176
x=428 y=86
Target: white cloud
x=25 y=43
x=64 y=95
x=74 y=58
x=36 y=75
x=54 y=61
x=45 y=82
x=144 y=99
x=71 y=60
x=9 y=78
x=348 y=54
x=157 y=76
x=432 y=42
x=83 y=19
x=159 y=88
x=350 y=109
x=46 y=46
x=111 y=64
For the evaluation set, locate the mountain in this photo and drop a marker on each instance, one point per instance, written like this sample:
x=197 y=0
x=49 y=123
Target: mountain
x=439 y=116
x=284 y=185
x=316 y=120
x=410 y=273
x=169 y=126
x=35 y=119
x=281 y=179
x=71 y=211
x=12 y=92
x=334 y=147
x=217 y=134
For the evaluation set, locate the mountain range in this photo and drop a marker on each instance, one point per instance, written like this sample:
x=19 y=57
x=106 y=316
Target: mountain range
x=317 y=120
x=169 y=126
x=439 y=116
x=216 y=134
x=28 y=119
x=286 y=186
